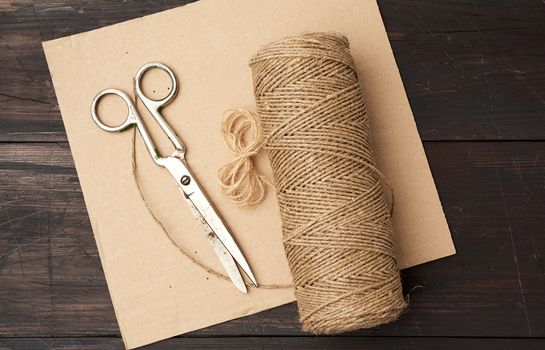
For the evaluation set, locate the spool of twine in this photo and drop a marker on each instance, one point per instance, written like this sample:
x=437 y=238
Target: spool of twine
x=335 y=220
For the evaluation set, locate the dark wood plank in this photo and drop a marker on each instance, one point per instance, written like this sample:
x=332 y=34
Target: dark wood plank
x=472 y=69
x=51 y=282
x=286 y=343
x=49 y=265
x=29 y=107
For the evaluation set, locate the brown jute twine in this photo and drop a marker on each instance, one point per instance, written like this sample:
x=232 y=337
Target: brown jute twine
x=184 y=251
x=239 y=179
x=335 y=220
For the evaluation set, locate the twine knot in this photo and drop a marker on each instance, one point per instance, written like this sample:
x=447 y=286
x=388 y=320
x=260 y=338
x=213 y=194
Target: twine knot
x=239 y=179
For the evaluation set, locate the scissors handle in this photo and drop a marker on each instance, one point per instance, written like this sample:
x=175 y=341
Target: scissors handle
x=132 y=119
x=155 y=106
x=132 y=115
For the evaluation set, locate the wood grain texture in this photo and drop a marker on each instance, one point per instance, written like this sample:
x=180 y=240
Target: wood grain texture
x=493 y=195
x=29 y=108
x=285 y=343
x=472 y=69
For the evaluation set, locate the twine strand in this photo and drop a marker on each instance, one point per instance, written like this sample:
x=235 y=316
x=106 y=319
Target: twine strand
x=335 y=220
x=239 y=179
x=183 y=251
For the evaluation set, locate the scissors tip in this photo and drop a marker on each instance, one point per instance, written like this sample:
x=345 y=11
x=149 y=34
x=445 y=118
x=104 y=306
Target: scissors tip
x=242 y=288
x=251 y=277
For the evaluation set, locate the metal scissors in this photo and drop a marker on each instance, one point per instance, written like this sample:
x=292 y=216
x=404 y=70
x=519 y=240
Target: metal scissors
x=216 y=232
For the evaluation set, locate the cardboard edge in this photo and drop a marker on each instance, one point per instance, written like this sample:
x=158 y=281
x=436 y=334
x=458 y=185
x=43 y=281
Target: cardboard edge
x=451 y=250
x=51 y=44
x=118 y=24
x=46 y=46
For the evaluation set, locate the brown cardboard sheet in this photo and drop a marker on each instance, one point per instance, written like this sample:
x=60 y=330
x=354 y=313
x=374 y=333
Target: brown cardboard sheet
x=157 y=292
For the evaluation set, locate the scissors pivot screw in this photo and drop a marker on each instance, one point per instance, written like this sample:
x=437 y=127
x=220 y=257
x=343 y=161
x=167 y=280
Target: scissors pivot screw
x=185 y=180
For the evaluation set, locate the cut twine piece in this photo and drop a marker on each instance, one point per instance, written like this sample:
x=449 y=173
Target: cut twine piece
x=239 y=179
x=336 y=224
x=162 y=227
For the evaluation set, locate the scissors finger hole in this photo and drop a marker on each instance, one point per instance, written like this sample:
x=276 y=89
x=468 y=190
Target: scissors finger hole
x=156 y=84
x=110 y=110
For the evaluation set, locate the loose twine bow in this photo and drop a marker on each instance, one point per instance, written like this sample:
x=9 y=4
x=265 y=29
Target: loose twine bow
x=239 y=179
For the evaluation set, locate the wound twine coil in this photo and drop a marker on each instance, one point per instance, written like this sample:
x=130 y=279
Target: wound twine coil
x=336 y=224
x=239 y=180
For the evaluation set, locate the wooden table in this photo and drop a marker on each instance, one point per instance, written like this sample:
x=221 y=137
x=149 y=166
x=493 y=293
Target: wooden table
x=475 y=75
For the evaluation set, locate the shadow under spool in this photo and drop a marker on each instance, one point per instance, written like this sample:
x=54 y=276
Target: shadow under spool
x=336 y=223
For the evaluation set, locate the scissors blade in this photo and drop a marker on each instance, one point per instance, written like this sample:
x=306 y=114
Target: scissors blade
x=223 y=255
x=186 y=182
x=208 y=213
x=227 y=261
